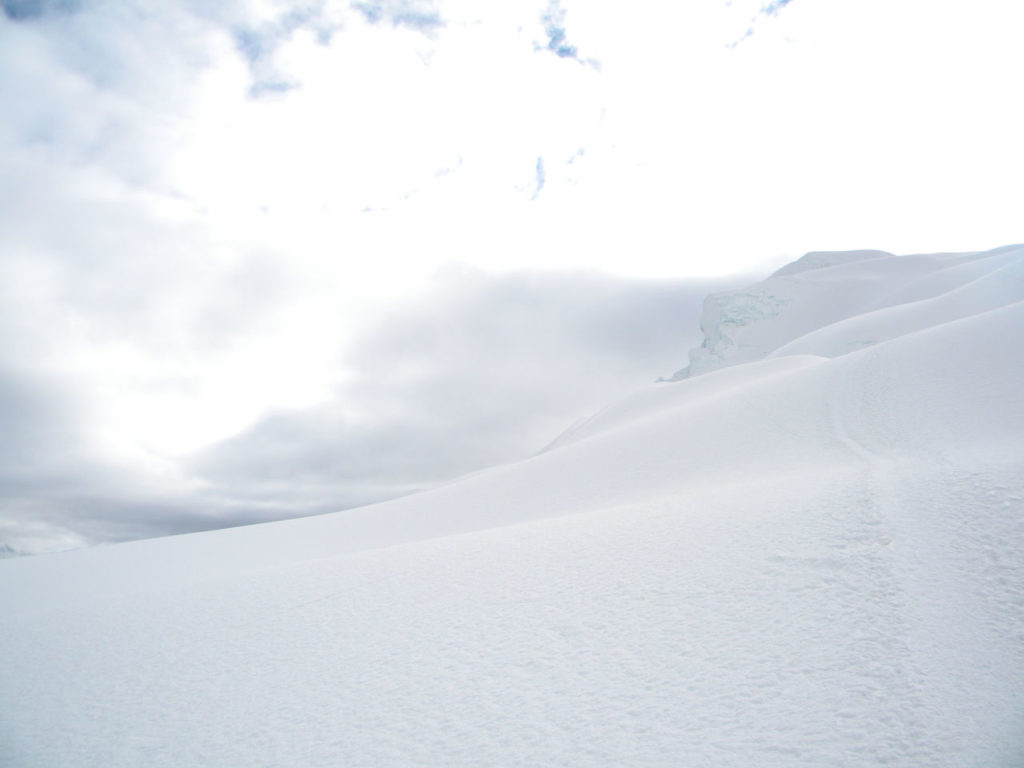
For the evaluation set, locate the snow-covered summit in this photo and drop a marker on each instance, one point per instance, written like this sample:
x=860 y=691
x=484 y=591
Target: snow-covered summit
x=831 y=303
x=823 y=259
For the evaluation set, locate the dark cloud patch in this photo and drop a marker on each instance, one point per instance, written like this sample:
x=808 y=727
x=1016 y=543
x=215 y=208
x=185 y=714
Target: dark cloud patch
x=414 y=14
x=271 y=87
x=259 y=44
x=557 y=43
x=253 y=46
x=772 y=8
x=22 y=10
x=541 y=178
x=554 y=26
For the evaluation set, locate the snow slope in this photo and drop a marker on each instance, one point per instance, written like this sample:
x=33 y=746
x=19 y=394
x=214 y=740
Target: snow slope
x=823 y=293
x=810 y=555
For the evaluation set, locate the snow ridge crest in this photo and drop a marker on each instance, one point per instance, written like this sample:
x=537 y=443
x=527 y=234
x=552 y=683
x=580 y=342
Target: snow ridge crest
x=830 y=303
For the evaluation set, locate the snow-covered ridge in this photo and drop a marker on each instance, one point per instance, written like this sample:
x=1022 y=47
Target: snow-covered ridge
x=828 y=303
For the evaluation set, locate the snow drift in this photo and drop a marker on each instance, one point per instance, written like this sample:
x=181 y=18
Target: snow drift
x=807 y=552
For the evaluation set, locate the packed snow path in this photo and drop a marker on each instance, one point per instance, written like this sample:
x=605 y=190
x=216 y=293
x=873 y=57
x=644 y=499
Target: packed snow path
x=812 y=558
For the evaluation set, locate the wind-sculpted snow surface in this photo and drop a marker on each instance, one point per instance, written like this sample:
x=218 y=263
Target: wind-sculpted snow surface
x=812 y=559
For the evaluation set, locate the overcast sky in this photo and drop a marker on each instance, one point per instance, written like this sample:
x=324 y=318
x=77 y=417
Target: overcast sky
x=268 y=258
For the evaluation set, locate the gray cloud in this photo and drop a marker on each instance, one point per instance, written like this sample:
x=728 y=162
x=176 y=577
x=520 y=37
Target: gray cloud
x=771 y=8
x=59 y=489
x=258 y=45
x=554 y=27
x=541 y=178
x=557 y=42
x=481 y=370
x=420 y=15
x=88 y=273
x=55 y=491
x=21 y=10
x=103 y=88
x=41 y=430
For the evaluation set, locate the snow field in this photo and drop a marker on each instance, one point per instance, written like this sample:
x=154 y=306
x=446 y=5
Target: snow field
x=815 y=558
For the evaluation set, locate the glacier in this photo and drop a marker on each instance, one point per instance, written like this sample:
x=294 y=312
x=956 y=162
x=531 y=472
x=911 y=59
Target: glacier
x=808 y=550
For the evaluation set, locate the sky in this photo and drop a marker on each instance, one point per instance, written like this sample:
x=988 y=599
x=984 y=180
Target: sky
x=260 y=259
